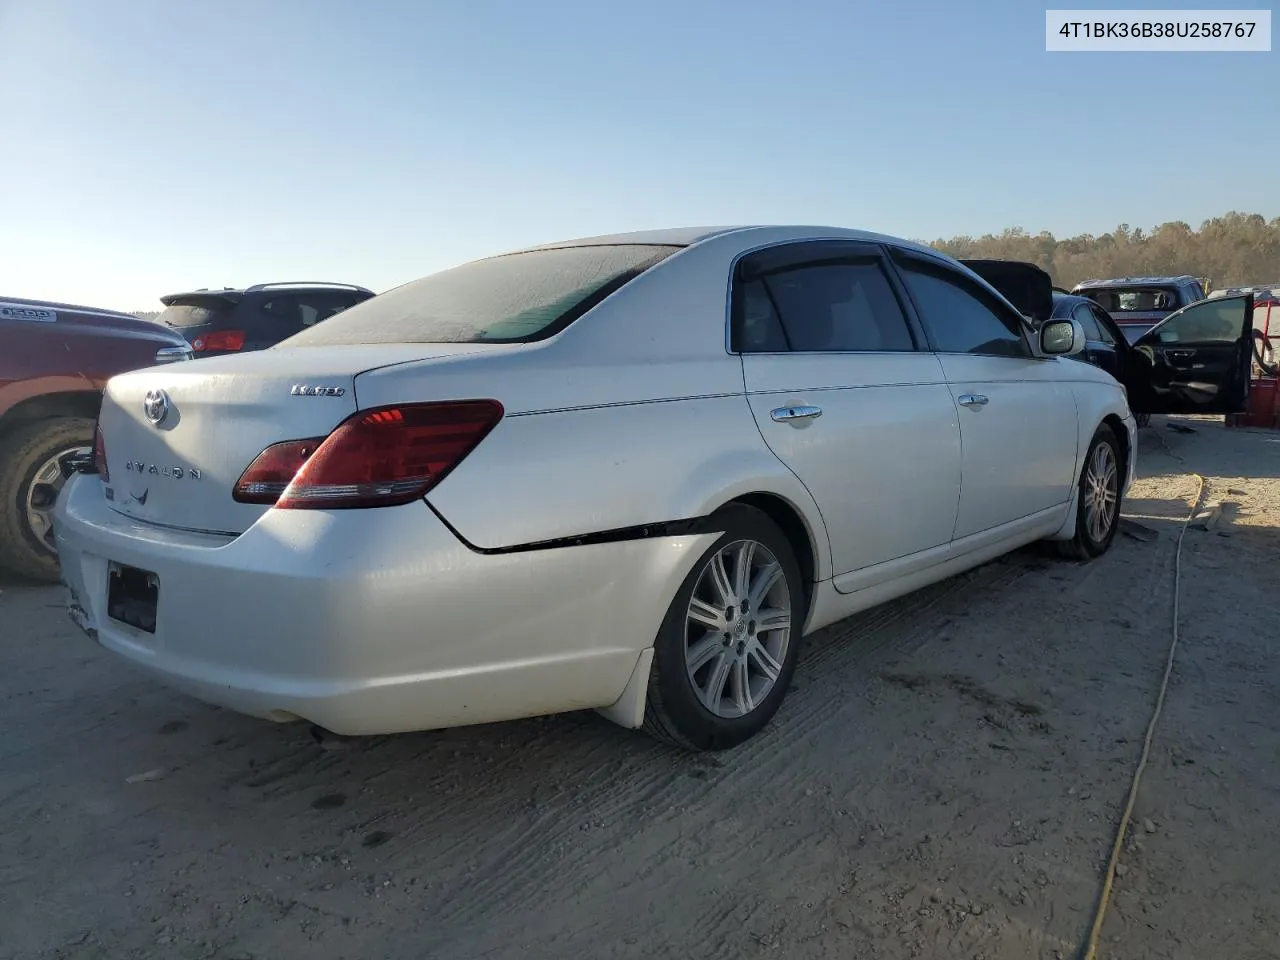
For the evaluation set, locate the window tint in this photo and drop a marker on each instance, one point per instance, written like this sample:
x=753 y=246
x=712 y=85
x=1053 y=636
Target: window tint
x=961 y=316
x=1207 y=321
x=323 y=304
x=516 y=298
x=1135 y=299
x=1104 y=328
x=761 y=329
x=832 y=307
x=195 y=312
x=1084 y=316
x=303 y=309
x=283 y=310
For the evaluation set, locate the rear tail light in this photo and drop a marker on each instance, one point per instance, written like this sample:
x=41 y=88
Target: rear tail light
x=100 y=454
x=376 y=458
x=219 y=340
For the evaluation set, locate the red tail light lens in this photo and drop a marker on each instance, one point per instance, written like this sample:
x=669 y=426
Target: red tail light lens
x=100 y=454
x=376 y=458
x=219 y=340
x=272 y=469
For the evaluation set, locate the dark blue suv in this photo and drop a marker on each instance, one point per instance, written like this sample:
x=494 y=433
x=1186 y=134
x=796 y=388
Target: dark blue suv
x=1138 y=303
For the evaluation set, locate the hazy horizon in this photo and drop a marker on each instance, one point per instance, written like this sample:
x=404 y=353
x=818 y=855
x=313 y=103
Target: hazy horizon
x=178 y=146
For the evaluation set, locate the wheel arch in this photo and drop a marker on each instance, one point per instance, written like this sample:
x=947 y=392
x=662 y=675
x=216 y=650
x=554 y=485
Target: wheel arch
x=46 y=406
x=793 y=526
x=1117 y=426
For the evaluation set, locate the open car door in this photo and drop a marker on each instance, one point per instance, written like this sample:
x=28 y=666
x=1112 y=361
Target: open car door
x=1196 y=360
x=1023 y=284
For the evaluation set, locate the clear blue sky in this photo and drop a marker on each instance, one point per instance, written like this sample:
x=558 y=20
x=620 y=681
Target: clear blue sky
x=156 y=145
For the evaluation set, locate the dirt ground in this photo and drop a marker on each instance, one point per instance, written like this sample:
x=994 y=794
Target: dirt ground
x=943 y=781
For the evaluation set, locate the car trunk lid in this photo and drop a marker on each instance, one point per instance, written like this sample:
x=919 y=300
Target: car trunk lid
x=1023 y=284
x=179 y=437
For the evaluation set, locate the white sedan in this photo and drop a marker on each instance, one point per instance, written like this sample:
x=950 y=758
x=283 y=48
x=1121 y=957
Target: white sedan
x=627 y=473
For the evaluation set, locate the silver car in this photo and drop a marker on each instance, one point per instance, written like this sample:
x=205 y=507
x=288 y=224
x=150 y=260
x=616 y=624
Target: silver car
x=626 y=473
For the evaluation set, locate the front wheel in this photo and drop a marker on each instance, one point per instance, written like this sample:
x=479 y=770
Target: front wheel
x=1098 y=498
x=726 y=650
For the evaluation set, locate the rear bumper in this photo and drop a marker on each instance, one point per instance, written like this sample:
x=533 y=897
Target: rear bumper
x=373 y=621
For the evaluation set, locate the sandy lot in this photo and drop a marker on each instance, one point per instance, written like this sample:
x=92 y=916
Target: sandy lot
x=943 y=781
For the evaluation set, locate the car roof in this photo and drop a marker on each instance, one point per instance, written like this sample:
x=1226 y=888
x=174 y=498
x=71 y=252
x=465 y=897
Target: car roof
x=749 y=234
x=1064 y=300
x=1134 y=281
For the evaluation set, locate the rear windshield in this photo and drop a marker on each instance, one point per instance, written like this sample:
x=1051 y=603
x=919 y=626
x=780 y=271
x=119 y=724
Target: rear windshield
x=516 y=298
x=194 y=312
x=1135 y=299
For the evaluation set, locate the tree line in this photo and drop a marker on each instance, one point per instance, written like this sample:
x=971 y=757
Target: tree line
x=1236 y=249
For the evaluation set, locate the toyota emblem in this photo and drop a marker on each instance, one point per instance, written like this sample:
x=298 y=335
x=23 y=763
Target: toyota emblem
x=156 y=406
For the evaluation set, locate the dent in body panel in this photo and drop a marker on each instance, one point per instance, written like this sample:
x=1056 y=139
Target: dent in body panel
x=565 y=474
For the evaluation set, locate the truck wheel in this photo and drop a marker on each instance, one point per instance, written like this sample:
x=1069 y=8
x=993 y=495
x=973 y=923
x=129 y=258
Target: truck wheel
x=30 y=478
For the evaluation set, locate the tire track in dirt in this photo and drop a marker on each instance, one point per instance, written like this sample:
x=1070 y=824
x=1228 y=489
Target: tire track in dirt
x=685 y=809
x=660 y=790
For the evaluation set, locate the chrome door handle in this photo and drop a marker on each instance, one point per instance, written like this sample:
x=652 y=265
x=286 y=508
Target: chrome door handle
x=972 y=400
x=785 y=414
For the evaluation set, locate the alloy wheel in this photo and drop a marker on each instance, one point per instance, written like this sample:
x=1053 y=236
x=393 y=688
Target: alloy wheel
x=1102 y=487
x=737 y=628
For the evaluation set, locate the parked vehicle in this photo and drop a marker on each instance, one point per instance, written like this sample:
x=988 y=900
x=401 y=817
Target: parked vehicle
x=1106 y=345
x=217 y=322
x=1138 y=303
x=55 y=359
x=624 y=473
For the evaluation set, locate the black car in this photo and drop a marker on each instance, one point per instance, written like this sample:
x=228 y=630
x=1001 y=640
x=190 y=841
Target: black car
x=1197 y=360
x=222 y=321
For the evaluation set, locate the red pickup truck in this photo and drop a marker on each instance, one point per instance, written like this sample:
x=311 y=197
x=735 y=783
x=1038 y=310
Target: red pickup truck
x=55 y=359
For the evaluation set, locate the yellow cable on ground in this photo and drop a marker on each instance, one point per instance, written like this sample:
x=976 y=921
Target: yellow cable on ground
x=1091 y=949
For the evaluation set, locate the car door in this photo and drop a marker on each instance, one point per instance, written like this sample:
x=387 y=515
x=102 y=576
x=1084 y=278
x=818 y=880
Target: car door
x=1099 y=349
x=1197 y=360
x=1017 y=414
x=847 y=399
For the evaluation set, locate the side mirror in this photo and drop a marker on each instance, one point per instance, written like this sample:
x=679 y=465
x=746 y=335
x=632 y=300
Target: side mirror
x=1061 y=338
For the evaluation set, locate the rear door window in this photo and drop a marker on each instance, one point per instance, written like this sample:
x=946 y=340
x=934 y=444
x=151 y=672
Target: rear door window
x=318 y=305
x=292 y=312
x=843 y=307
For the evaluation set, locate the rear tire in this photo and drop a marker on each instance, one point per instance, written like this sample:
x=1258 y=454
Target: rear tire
x=29 y=484
x=1097 y=498
x=725 y=653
